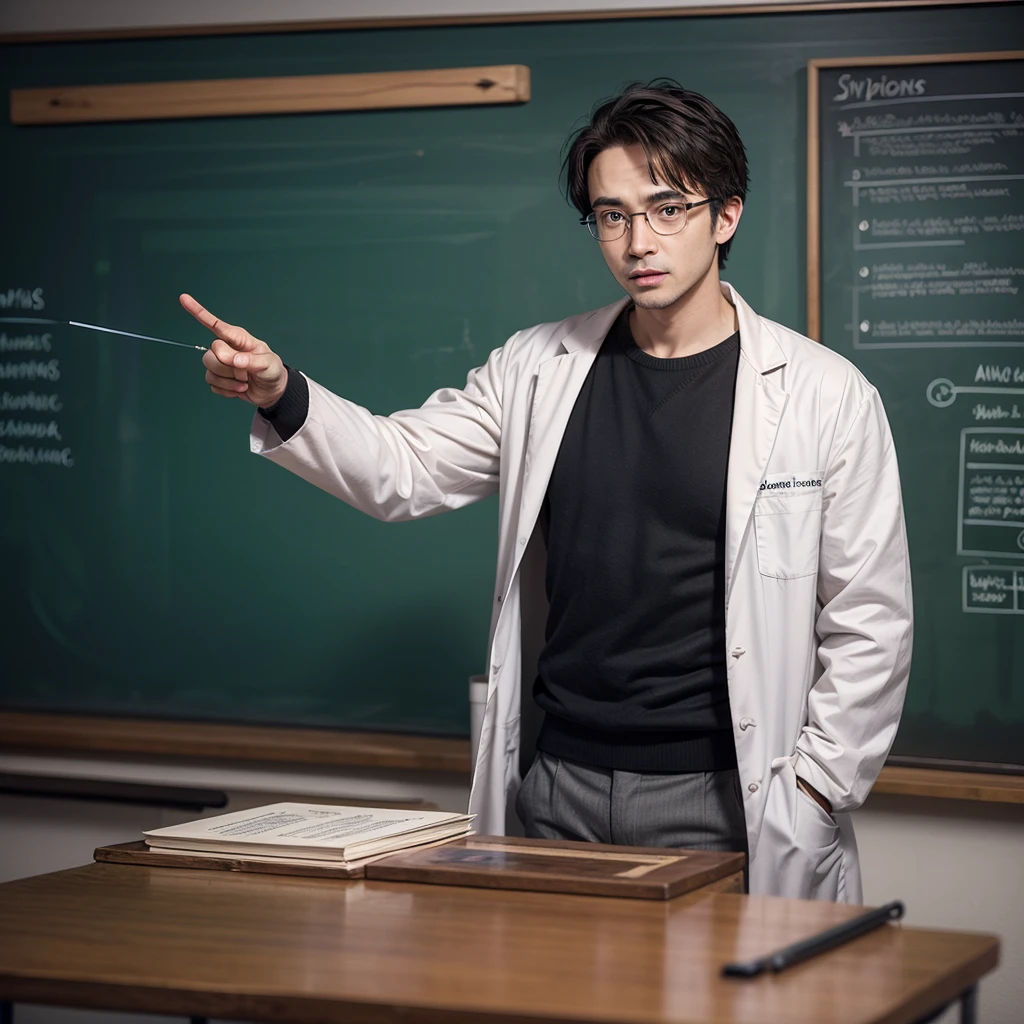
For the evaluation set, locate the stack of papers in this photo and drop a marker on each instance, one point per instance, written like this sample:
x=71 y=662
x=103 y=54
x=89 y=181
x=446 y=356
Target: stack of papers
x=310 y=832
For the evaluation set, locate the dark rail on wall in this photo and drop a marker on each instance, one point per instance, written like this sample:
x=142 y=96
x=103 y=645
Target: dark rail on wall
x=178 y=798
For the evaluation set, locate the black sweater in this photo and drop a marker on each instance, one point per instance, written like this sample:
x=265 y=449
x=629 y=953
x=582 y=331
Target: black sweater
x=633 y=672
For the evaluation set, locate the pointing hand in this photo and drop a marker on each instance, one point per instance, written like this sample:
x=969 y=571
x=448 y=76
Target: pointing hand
x=237 y=364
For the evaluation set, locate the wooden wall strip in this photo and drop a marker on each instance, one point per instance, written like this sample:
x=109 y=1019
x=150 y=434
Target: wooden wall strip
x=440 y=20
x=111 y=791
x=144 y=101
x=944 y=785
x=26 y=731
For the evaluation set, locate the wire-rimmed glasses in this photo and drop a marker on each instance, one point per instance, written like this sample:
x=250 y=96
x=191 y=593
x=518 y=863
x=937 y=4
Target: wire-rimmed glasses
x=668 y=218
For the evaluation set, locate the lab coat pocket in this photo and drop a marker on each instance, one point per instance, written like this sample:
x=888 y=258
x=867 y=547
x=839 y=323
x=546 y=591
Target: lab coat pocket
x=798 y=853
x=815 y=822
x=788 y=530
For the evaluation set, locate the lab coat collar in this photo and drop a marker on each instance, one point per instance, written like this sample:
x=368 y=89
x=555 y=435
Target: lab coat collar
x=757 y=343
x=594 y=329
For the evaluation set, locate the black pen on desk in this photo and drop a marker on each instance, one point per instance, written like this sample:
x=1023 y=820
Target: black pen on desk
x=820 y=943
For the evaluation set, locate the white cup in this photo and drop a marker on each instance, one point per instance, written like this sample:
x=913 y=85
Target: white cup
x=477 y=705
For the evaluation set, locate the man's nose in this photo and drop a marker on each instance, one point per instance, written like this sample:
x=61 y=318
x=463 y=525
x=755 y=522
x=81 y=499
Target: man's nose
x=642 y=239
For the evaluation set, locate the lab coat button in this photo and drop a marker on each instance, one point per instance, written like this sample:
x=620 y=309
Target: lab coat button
x=746 y=723
x=522 y=542
x=752 y=787
x=738 y=652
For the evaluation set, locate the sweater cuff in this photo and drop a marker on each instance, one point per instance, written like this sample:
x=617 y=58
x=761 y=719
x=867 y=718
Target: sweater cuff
x=289 y=412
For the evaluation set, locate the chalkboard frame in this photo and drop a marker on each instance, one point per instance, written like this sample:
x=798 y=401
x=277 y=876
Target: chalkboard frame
x=912 y=768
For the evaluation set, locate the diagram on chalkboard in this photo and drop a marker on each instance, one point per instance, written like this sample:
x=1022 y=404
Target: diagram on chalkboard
x=942 y=392
x=991 y=492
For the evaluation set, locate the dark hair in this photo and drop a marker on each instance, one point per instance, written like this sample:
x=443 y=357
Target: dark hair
x=690 y=144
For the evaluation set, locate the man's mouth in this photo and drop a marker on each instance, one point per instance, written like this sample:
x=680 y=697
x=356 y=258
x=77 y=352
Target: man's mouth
x=648 y=278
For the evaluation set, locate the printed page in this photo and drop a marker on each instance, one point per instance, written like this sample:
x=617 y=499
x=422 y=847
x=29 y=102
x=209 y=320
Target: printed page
x=316 y=826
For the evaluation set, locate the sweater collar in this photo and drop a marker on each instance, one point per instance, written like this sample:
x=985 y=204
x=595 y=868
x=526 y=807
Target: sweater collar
x=757 y=342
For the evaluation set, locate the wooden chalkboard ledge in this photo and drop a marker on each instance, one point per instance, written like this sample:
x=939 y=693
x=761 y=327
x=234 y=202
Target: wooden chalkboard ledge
x=32 y=731
x=947 y=785
x=25 y=731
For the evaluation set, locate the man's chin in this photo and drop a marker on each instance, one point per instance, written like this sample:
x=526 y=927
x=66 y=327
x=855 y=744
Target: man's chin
x=655 y=299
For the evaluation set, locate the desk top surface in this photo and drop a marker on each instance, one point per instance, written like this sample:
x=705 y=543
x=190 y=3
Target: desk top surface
x=275 y=948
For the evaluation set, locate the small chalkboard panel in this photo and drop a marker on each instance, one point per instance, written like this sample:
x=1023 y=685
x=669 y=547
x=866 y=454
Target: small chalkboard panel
x=916 y=275
x=591 y=869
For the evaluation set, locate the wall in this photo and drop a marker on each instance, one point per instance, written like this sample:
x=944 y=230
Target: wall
x=72 y=15
x=955 y=864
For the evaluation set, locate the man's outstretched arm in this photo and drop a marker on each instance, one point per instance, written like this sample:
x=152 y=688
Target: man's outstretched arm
x=414 y=463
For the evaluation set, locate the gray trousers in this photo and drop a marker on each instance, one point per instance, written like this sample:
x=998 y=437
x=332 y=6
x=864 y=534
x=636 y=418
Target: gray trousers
x=697 y=810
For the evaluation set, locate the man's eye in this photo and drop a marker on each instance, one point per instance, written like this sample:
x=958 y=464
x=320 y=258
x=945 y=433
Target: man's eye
x=670 y=212
x=611 y=216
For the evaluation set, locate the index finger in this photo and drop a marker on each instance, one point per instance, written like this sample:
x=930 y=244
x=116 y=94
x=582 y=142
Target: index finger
x=235 y=336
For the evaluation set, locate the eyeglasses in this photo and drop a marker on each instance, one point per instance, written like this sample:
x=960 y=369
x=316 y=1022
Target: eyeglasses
x=663 y=219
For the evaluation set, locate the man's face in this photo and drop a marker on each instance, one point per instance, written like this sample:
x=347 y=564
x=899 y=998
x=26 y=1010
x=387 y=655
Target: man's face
x=656 y=270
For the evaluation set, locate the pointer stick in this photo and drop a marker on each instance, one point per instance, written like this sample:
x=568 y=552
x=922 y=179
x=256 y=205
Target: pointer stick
x=128 y=334
x=94 y=327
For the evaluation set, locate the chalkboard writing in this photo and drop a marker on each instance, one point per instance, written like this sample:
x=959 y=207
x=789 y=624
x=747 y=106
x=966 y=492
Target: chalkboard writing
x=25 y=359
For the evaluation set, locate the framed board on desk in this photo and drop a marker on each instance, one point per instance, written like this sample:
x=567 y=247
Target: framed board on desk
x=915 y=232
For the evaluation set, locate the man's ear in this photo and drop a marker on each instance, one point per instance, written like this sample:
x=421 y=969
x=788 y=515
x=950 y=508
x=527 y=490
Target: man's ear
x=728 y=219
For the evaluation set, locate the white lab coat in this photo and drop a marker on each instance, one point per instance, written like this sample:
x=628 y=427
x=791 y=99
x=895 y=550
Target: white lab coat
x=818 y=599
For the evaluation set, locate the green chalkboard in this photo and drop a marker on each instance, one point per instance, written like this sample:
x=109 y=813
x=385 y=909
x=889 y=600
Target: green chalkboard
x=169 y=573
x=922 y=271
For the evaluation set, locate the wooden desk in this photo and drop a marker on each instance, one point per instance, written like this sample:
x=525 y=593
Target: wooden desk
x=264 y=948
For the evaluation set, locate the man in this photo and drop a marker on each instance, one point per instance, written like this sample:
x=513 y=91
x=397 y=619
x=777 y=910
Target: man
x=701 y=528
